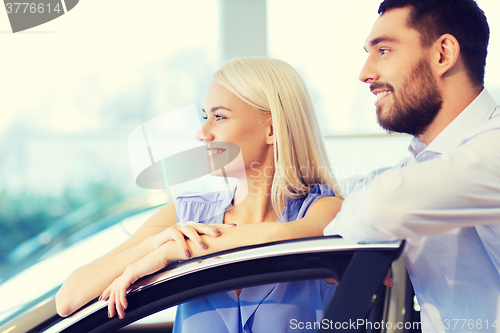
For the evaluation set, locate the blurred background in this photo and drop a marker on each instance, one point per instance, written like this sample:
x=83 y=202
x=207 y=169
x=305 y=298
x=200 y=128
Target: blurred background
x=73 y=89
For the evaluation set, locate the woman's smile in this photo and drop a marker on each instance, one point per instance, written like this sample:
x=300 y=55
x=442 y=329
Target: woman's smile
x=212 y=152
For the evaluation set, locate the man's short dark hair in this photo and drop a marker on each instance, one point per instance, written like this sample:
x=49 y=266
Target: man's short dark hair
x=461 y=18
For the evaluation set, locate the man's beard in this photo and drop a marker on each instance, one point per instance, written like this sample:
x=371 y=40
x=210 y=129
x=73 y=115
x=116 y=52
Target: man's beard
x=415 y=104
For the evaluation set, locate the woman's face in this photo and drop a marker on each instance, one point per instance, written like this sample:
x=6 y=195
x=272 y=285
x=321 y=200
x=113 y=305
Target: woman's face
x=229 y=119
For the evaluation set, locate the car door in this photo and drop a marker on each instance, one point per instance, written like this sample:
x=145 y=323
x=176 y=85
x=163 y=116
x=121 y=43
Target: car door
x=360 y=268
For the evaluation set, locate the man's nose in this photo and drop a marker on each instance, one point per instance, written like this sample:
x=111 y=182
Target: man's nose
x=368 y=72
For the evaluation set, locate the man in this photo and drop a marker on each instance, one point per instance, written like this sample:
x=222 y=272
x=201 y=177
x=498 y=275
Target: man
x=425 y=64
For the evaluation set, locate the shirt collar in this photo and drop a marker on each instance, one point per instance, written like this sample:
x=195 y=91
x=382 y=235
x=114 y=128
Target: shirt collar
x=480 y=109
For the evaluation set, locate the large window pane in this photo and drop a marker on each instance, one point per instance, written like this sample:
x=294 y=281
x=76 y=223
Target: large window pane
x=72 y=91
x=324 y=40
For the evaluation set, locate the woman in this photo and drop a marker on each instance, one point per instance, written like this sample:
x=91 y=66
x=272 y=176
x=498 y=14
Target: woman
x=262 y=106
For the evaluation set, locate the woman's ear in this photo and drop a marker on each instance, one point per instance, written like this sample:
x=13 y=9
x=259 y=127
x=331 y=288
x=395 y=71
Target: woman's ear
x=446 y=53
x=270 y=131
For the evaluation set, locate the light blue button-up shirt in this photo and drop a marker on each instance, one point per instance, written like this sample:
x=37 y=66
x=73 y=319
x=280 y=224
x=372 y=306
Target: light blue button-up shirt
x=445 y=200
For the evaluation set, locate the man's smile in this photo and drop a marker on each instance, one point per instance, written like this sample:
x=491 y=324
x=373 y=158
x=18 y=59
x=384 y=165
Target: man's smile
x=381 y=94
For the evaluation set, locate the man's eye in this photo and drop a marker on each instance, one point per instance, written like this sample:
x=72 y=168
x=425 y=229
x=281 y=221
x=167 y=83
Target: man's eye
x=383 y=51
x=205 y=117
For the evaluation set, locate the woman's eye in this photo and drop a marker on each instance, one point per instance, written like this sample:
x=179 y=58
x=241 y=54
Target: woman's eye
x=383 y=51
x=216 y=116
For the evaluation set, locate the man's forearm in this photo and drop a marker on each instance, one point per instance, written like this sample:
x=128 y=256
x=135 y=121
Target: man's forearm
x=455 y=191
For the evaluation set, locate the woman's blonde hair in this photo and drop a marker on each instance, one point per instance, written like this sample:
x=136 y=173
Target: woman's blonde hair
x=273 y=86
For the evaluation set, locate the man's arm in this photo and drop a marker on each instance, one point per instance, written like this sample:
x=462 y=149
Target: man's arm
x=359 y=182
x=460 y=189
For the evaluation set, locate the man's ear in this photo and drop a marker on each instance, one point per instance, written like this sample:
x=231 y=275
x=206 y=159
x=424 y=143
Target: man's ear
x=270 y=131
x=446 y=52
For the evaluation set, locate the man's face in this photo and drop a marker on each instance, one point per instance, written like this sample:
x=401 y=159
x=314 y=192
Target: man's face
x=399 y=74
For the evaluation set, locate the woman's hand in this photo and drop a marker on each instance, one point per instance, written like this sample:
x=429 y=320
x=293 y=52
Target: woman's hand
x=182 y=231
x=117 y=292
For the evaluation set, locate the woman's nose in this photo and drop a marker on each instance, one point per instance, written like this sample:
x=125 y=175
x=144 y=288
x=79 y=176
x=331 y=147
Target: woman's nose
x=204 y=134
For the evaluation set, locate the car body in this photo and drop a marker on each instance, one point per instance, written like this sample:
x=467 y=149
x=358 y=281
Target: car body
x=360 y=268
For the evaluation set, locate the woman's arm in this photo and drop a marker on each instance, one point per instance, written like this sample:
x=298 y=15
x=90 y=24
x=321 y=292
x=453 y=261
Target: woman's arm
x=318 y=216
x=157 y=223
x=89 y=281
